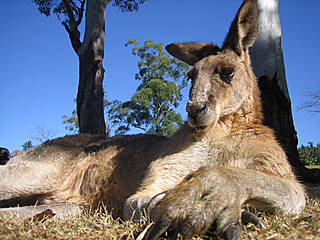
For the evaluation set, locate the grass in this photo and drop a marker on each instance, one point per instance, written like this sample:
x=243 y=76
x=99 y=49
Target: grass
x=102 y=226
x=305 y=226
x=313 y=166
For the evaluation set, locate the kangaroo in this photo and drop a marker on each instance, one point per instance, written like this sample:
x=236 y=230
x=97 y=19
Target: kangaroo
x=221 y=160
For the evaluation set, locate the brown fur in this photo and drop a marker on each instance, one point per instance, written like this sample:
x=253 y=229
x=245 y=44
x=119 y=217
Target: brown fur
x=218 y=162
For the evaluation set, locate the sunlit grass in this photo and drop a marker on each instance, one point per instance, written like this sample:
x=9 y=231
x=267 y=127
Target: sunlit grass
x=100 y=225
x=313 y=166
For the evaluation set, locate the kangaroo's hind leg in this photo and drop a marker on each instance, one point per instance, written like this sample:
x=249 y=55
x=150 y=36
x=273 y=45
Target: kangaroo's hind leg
x=26 y=183
x=27 y=187
x=58 y=210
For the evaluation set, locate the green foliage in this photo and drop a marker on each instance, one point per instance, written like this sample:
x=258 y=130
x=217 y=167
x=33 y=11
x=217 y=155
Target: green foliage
x=57 y=7
x=27 y=145
x=49 y=7
x=155 y=63
x=44 y=6
x=71 y=123
x=152 y=106
x=128 y=5
x=310 y=154
x=150 y=109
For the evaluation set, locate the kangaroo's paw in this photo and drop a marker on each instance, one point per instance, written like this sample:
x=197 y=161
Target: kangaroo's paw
x=204 y=197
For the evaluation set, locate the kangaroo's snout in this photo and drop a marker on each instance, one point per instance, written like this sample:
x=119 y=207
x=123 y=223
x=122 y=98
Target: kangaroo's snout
x=195 y=110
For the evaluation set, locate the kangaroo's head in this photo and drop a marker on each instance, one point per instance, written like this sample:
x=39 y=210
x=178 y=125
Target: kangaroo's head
x=222 y=80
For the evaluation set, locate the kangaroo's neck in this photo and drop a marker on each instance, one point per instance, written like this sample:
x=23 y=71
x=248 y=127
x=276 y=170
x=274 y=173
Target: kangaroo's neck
x=228 y=125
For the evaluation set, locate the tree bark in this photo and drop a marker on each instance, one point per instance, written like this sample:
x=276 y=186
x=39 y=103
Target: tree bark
x=90 y=90
x=268 y=65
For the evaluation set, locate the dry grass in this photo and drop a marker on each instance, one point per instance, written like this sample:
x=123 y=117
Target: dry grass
x=103 y=226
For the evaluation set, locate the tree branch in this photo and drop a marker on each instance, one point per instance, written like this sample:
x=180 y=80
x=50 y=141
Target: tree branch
x=313 y=104
x=81 y=11
x=158 y=120
x=172 y=103
x=72 y=29
x=70 y=14
x=136 y=126
x=74 y=36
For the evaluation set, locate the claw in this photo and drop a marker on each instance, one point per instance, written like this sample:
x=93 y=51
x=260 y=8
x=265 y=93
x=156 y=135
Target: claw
x=161 y=225
x=231 y=231
x=172 y=234
x=248 y=217
x=153 y=202
x=186 y=232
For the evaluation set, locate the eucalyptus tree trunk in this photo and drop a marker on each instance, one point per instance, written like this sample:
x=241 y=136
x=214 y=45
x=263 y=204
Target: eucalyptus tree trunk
x=268 y=64
x=90 y=52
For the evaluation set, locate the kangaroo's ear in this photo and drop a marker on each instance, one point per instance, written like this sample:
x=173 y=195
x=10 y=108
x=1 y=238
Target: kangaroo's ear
x=192 y=52
x=244 y=28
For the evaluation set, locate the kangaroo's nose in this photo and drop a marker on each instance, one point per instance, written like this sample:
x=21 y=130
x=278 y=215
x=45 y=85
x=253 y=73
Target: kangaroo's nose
x=196 y=109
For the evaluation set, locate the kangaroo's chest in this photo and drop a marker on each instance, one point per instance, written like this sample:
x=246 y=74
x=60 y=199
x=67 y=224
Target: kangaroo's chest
x=229 y=151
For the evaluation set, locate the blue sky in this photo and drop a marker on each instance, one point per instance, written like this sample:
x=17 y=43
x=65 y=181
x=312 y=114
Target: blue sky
x=39 y=70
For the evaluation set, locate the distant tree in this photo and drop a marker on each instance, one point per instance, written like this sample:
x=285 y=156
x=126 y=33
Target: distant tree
x=43 y=134
x=150 y=109
x=310 y=154
x=312 y=104
x=152 y=106
x=71 y=123
x=90 y=52
x=27 y=145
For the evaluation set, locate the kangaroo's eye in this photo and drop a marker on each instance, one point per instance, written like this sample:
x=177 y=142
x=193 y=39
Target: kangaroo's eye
x=227 y=74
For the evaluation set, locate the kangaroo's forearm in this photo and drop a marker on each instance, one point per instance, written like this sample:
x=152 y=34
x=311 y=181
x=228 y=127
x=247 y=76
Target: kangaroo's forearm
x=268 y=192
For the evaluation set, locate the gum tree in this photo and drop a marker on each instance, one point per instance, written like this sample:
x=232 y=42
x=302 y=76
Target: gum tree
x=268 y=64
x=90 y=52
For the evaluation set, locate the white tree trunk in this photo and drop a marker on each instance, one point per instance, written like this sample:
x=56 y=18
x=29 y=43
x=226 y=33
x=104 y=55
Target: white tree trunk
x=268 y=65
x=95 y=27
x=267 y=55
